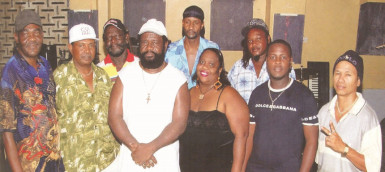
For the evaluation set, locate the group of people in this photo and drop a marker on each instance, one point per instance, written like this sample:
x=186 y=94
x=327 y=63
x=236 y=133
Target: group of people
x=173 y=107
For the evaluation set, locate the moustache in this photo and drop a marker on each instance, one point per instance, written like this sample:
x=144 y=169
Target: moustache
x=255 y=48
x=86 y=56
x=32 y=43
x=191 y=31
x=117 y=45
x=144 y=53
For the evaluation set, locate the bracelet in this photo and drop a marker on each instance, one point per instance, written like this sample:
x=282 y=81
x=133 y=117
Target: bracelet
x=346 y=150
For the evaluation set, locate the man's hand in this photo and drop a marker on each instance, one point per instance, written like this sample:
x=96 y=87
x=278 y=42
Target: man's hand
x=150 y=163
x=333 y=140
x=142 y=155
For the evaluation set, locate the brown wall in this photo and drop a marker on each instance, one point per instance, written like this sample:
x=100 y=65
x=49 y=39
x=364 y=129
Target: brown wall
x=330 y=27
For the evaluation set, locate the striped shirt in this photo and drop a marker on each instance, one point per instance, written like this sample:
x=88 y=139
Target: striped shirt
x=110 y=68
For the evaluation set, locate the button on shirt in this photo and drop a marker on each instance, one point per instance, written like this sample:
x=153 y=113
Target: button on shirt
x=176 y=56
x=245 y=80
x=27 y=109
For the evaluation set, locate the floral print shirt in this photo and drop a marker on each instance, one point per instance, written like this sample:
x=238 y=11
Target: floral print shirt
x=86 y=140
x=27 y=109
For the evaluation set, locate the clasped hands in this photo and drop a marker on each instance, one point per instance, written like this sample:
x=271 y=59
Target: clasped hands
x=333 y=140
x=143 y=155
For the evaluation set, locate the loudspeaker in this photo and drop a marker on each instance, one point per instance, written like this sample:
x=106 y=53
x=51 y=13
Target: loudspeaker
x=49 y=53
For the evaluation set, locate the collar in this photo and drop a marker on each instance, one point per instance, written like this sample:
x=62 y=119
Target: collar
x=24 y=62
x=19 y=56
x=357 y=107
x=72 y=68
x=282 y=89
x=200 y=41
x=252 y=64
x=130 y=58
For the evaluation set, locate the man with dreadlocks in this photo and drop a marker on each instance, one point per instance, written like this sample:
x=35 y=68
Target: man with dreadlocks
x=250 y=71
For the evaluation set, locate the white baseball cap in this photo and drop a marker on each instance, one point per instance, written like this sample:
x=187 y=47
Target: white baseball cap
x=154 y=26
x=80 y=32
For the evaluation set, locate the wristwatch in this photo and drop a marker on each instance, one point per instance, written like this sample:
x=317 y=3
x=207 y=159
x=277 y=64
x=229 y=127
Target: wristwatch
x=346 y=150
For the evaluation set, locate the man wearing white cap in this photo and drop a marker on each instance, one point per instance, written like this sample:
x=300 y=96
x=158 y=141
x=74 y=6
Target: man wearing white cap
x=149 y=106
x=82 y=94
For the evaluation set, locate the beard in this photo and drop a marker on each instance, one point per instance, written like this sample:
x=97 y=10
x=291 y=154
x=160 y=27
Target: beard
x=154 y=63
x=193 y=35
x=256 y=58
x=118 y=52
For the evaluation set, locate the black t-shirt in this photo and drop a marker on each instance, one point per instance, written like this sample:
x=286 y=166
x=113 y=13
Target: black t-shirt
x=279 y=138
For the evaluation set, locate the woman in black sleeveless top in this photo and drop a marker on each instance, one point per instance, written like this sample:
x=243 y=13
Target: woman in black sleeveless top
x=217 y=127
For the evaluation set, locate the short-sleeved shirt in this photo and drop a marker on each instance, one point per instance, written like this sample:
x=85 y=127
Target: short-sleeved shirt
x=245 y=80
x=359 y=129
x=176 y=56
x=27 y=109
x=279 y=136
x=110 y=68
x=86 y=140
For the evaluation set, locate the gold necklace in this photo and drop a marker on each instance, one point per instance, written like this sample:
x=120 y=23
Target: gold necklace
x=350 y=106
x=272 y=101
x=156 y=81
x=202 y=95
x=85 y=75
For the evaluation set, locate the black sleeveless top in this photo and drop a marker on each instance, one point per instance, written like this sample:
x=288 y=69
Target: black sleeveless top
x=207 y=143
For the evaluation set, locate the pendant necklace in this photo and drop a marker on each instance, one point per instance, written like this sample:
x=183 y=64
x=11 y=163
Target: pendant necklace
x=272 y=101
x=153 y=85
x=348 y=108
x=202 y=95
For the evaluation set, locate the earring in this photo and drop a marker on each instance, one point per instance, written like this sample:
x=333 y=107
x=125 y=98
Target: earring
x=197 y=83
x=217 y=84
